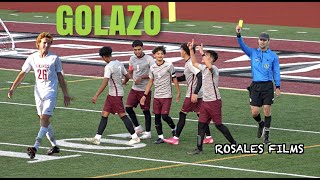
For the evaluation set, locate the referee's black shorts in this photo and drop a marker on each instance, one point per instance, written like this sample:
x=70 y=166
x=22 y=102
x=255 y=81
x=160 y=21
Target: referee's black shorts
x=261 y=93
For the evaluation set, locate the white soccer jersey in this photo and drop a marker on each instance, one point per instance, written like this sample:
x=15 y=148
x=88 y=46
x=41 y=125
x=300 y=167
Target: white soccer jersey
x=162 y=78
x=115 y=71
x=210 y=83
x=45 y=71
x=141 y=66
x=190 y=73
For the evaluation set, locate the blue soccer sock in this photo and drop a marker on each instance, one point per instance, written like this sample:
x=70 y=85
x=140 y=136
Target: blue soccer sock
x=50 y=135
x=41 y=133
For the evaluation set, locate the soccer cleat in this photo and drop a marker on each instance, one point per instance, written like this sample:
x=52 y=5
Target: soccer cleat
x=134 y=141
x=196 y=151
x=260 y=129
x=171 y=141
x=208 y=140
x=158 y=141
x=31 y=151
x=93 y=140
x=266 y=137
x=266 y=141
x=138 y=130
x=54 y=149
x=146 y=135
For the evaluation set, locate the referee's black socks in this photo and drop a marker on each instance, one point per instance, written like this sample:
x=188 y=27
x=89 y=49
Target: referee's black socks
x=267 y=121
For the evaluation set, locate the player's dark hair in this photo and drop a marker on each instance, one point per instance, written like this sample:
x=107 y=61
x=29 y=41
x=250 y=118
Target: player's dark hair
x=213 y=55
x=185 y=47
x=105 y=51
x=137 y=43
x=159 y=48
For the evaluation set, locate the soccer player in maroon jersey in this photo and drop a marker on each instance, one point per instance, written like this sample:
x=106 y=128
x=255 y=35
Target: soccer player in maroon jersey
x=193 y=99
x=139 y=66
x=161 y=74
x=211 y=107
x=113 y=73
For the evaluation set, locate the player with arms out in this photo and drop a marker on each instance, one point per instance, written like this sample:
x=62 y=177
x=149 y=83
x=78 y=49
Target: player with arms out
x=47 y=69
x=113 y=74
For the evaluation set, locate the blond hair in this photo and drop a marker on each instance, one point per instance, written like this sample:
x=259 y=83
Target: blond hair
x=43 y=35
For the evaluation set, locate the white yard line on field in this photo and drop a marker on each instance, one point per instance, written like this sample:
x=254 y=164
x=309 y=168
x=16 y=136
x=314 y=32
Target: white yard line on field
x=174 y=162
x=99 y=111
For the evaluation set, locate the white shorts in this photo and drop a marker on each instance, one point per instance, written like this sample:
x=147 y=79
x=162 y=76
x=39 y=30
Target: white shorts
x=45 y=105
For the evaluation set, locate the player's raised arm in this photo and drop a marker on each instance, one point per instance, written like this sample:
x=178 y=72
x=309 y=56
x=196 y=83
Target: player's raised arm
x=192 y=54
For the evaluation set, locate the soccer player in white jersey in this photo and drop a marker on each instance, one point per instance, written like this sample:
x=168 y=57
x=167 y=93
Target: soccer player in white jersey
x=161 y=74
x=193 y=99
x=47 y=69
x=211 y=107
x=113 y=74
x=139 y=66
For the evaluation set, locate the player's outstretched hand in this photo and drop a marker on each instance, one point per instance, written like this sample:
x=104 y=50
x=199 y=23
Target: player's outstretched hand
x=67 y=100
x=10 y=93
x=94 y=99
x=142 y=100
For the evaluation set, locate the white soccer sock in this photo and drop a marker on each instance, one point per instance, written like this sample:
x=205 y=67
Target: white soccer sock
x=138 y=127
x=50 y=135
x=98 y=136
x=134 y=136
x=161 y=136
x=41 y=133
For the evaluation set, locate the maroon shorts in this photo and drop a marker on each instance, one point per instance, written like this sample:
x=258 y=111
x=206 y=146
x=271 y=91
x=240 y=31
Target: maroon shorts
x=134 y=97
x=161 y=105
x=114 y=105
x=189 y=106
x=211 y=110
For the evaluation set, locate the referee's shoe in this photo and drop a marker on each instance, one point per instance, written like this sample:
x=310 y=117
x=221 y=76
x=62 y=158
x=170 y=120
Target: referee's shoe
x=266 y=136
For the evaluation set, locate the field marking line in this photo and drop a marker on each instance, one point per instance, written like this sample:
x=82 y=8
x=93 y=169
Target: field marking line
x=225 y=88
x=170 y=166
x=175 y=162
x=173 y=32
x=179 y=165
x=307 y=147
x=99 y=111
x=74 y=81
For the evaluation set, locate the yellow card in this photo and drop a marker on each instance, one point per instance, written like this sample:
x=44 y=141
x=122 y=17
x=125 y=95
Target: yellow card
x=240 y=23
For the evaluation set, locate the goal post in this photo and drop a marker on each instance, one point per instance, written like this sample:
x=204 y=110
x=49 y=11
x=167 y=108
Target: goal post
x=172 y=11
x=7 y=44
